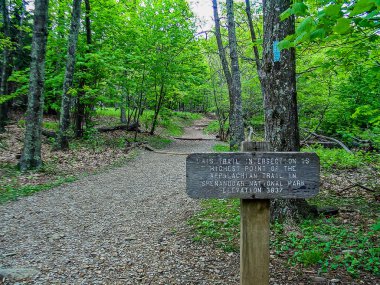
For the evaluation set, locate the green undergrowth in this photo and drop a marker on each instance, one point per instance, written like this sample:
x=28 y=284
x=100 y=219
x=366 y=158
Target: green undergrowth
x=221 y=147
x=50 y=125
x=326 y=243
x=157 y=142
x=330 y=245
x=212 y=128
x=10 y=188
x=218 y=222
x=170 y=122
x=332 y=159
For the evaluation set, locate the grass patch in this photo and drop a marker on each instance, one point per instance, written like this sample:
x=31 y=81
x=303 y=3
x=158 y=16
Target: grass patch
x=54 y=126
x=340 y=159
x=218 y=222
x=212 y=128
x=188 y=116
x=171 y=122
x=12 y=192
x=331 y=245
x=157 y=142
x=221 y=148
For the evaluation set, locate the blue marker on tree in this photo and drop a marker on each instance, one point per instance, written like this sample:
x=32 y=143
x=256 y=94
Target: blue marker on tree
x=276 y=52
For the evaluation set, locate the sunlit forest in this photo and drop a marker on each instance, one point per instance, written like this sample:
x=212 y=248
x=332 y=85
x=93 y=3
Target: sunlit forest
x=87 y=85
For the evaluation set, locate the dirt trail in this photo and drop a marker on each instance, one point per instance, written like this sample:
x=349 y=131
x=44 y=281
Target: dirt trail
x=124 y=226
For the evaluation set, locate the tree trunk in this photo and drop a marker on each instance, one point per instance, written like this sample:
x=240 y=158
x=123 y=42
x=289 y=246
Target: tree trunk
x=31 y=155
x=157 y=108
x=236 y=115
x=279 y=71
x=64 y=119
x=123 y=116
x=88 y=22
x=280 y=98
x=232 y=78
x=80 y=106
x=254 y=42
x=5 y=68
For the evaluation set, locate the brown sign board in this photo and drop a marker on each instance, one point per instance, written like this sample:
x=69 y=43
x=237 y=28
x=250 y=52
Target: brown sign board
x=252 y=175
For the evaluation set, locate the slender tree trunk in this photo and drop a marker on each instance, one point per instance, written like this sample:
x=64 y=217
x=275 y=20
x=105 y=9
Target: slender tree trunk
x=232 y=78
x=219 y=42
x=5 y=68
x=157 y=108
x=280 y=98
x=123 y=117
x=80 y=105
x=236 y=116
x=88 y=22
x=254 y=42
x=64 y=119
x=31 y=155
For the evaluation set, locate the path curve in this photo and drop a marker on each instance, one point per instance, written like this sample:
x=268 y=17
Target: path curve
x=123 y=226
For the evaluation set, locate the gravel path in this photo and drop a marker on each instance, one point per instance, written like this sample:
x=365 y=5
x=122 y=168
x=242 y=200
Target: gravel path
x=124 y=226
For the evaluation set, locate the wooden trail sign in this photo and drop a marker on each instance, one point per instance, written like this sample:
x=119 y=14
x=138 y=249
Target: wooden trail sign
x=252 y=175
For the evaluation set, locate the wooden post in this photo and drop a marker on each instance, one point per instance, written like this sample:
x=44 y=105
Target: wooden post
x=254 y=232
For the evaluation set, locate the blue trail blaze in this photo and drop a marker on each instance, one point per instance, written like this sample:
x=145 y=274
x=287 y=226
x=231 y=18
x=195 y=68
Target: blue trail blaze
x=276 y=52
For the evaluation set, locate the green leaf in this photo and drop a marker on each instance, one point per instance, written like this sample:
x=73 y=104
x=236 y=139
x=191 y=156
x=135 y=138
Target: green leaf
x=374 y=13
x=365 y=23
x=305 y=25
x=333 y=11
x=299 y=9
x=303 y=36
x=285 y=44
x=342 y=26
x=318 y=33
x=362 y=6
x=286 y=14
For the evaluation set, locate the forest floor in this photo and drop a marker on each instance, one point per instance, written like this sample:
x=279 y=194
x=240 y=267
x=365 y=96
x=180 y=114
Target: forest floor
x=127 y=224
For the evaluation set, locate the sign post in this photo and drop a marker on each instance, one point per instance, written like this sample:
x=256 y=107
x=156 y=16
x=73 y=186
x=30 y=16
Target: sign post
x=254 y=175
x=254 y=232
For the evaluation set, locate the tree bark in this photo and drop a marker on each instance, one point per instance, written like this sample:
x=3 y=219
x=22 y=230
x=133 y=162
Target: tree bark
x=222 y=54
x=279 y=79
x=236 y=122
x=64 y=119
x=254 y=42
x=6 y=67
x=159 y=101
x=31 y=155
x=280 y=98
x=88 y=22
x=80 y=105
x=123 y=110
x=233 y=76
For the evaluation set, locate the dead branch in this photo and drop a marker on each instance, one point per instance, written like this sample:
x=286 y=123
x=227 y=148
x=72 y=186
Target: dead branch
x=193 y=139
x=49 y=134
x=357 y=185
x=131 y=127
x=330 y=139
